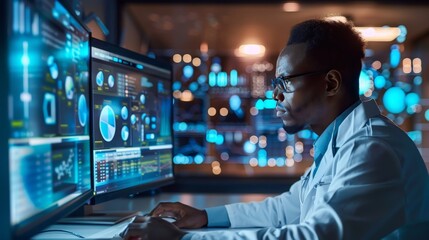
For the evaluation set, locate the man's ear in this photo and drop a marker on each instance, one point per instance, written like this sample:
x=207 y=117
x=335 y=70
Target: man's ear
x=333 y=82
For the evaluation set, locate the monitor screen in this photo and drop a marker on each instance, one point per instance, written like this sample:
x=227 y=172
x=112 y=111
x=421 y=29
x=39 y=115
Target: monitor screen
x=48 y=116
x=132 y=122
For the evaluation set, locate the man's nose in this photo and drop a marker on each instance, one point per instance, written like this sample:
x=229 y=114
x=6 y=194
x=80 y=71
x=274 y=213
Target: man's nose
x=278 y=95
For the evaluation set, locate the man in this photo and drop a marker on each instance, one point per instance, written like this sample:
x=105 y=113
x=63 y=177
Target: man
x=368 y=178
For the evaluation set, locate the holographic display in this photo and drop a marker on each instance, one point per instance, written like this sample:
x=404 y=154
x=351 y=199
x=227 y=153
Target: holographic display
x=49 y=164
x=132 y=120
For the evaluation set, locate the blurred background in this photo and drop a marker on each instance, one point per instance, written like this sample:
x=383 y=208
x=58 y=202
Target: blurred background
x=224 y=56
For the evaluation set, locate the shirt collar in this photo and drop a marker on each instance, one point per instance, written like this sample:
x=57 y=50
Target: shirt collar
x=322 y=142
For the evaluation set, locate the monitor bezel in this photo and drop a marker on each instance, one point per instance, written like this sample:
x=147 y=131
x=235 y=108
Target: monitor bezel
x=145 y=187
x=36 y=223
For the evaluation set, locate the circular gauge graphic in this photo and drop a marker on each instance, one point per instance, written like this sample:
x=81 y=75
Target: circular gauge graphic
x=142 y=99
x=111 y=81
x=99 y=78
x=69 y=87
x=125 y=133
x=82 y=110
x=133 y=119
x=124 y=113
x=53 y=67
x=107 y=123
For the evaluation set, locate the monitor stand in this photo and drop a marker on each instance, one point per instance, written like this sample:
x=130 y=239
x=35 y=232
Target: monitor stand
x=86 y=215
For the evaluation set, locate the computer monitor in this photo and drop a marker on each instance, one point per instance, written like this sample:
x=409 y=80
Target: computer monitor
x=132 y=122
x=47 y=125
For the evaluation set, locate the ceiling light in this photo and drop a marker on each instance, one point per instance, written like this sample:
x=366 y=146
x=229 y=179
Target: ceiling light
x=378 y=34
x=291 y=7
x=250 y=50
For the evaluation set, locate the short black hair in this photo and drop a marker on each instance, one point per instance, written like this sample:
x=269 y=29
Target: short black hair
x=333 y=44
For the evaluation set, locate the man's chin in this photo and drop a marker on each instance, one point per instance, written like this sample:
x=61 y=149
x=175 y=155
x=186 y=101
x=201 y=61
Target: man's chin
x=293 y=129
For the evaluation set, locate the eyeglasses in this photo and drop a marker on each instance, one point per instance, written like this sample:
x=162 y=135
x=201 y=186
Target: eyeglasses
x=284 y=83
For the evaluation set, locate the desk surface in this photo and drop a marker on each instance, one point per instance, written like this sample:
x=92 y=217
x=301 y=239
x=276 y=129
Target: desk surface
x=145 y=205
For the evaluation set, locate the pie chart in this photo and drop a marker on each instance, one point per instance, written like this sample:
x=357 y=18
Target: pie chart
x=69 y=87
x=111 y=81
x=107 y=123
x=125 y=133
x=82 y=110
x=100 y=78
x=124 y=113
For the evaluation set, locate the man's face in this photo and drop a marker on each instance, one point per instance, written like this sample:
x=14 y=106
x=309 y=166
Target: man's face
x=305 y=105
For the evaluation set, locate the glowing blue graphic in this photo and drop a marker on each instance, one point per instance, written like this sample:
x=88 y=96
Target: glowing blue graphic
x=202 y=79
x=418 y=80
x=379 y=82
x=144 y=82
x=222 y=79
x=395 y=56
x=188 y=71
x=220 y=139
x=365 y=82
x=412 y=99
x=125 y=133
x=49 y=111
x=394 y=100
x=233 y=77
x=82 y=110
x=193 y=86
x=69 y=87
x=133 y=119
x=280 y=162
x=107 y=123
x=260 y=104
x=53 y=67
x=124 y=112
x=416 y=136
x=249 y=147
x=270 y=103
x=25 y=60
x=212 y=79
x=262 y=158
x=211 y=136
x=198 y=159
x=269 y=94
x=215 y=67
x=427 y=115
x=403 y=35
x=139 y=66
x=143 y=99
x=99 y=79
x=177 y=85
x=235 y=102
x=111 y=81
x=182 y=126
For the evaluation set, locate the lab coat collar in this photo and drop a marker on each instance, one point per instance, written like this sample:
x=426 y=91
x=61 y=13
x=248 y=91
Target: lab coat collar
x=351 y=124
x=355 y=121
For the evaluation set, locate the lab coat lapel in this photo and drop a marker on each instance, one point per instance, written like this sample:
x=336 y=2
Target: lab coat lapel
x=354 y=121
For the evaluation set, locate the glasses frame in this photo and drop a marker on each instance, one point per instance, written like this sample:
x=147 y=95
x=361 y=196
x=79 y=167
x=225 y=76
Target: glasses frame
x=284 y=82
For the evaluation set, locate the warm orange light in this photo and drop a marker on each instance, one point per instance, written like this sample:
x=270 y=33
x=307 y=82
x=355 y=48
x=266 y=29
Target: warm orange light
x=250 y=50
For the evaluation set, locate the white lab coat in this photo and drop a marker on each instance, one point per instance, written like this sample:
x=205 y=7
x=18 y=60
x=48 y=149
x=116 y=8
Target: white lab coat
x=370 y=181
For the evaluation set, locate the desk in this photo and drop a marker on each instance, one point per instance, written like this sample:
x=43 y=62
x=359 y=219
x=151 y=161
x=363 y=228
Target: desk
x=145 y=205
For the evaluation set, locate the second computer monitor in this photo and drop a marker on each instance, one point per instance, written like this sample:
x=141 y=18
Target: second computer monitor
x=132 y=115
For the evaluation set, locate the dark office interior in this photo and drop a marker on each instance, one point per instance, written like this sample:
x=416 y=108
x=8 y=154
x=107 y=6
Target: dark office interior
x=214 y=60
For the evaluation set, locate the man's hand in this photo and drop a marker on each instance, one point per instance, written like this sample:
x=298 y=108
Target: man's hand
x=151 y=228
x=186 y=216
